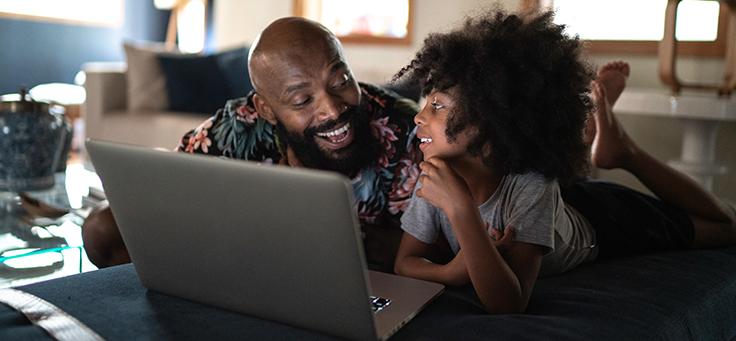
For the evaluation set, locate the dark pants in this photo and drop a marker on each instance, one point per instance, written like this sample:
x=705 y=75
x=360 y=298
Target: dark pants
x=628 y=222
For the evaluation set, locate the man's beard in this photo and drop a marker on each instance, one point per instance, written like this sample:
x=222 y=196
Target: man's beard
x=360 y=153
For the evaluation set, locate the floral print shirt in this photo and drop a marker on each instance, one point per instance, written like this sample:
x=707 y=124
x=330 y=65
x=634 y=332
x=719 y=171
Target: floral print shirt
x=382 y=191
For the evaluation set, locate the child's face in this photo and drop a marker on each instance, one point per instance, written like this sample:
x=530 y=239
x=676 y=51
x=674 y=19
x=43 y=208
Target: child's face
x=432 y=122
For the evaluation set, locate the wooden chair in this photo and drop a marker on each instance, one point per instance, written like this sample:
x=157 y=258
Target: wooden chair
x=667 y=53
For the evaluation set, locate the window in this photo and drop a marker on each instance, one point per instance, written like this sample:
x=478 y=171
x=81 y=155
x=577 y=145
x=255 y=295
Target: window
x=359 y=21
x=191 y=27
x=102 y=12
x=630 y=26
x=187 y=24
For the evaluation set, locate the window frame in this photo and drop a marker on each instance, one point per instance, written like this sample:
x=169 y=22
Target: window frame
x=716 y=48
x=300 y=9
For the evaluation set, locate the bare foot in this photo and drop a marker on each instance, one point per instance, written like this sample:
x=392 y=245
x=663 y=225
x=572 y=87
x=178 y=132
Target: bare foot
x=613 y=76
x=611 y=147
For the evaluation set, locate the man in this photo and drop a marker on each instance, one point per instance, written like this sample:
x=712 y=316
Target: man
x=308 y=111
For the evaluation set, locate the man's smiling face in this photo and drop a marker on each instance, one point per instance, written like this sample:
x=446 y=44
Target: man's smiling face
x=308 y=91
x=313 y=95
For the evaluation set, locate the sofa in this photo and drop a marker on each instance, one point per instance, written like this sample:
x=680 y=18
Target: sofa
x=107 y=115
x=157 y=94
x=683 y=295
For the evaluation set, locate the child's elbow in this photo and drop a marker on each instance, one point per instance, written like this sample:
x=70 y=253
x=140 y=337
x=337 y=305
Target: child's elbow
x=398 y=270
x=400 y=267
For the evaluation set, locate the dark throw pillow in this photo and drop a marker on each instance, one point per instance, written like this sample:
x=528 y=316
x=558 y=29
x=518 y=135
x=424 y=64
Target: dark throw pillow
x=234 y=65
x=203 y=83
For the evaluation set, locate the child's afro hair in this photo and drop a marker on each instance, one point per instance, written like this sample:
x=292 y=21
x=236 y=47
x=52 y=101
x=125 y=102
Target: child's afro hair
x=521 y=84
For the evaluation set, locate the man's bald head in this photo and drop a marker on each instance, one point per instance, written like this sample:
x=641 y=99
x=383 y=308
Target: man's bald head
x=286 y=41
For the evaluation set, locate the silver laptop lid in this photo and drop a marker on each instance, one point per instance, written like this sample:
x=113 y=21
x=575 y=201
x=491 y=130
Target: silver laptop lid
x=190 y=225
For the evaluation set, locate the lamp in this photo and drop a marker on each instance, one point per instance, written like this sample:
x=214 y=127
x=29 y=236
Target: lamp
x=191 y=15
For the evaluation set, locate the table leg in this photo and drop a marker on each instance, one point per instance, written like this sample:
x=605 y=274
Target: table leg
x=698 y=151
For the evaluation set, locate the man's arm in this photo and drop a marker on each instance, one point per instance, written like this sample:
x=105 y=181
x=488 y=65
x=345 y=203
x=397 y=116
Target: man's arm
x=102 y=241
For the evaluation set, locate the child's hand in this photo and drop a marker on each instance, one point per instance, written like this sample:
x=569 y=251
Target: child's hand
x=442 y=186
x=456 y=272
x=502 y=240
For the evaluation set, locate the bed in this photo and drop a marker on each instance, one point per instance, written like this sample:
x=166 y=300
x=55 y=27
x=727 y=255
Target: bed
x=684 y=295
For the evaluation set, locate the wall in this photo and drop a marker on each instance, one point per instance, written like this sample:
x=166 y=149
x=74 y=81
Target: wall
x=36 y=52
x=240 y=21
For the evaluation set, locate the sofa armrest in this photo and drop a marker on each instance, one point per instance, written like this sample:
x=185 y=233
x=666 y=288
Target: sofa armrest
x=106 y=88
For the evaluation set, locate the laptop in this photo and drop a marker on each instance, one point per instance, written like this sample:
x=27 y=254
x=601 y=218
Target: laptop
x=268 y=241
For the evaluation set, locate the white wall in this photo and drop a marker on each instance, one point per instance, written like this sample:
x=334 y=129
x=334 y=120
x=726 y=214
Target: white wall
x=239 y=22
x=236 y=22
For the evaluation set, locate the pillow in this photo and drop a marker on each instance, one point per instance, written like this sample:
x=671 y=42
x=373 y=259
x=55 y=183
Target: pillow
x=204 y=83
x=146 y=82
x=234 y=65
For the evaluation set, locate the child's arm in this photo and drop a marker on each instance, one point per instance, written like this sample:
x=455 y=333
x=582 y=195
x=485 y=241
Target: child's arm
x=504 y=286
x=411 y=261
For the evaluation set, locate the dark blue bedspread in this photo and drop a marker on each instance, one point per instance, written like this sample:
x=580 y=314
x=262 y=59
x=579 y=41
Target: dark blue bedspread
x=671 y=296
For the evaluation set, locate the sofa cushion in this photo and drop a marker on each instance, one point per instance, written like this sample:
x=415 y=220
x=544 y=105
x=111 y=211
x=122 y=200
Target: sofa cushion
x=160 y=129
x=146 y=81
x=203 y=83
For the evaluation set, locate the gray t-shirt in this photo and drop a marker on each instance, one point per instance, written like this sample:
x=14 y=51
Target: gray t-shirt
x=533 y=206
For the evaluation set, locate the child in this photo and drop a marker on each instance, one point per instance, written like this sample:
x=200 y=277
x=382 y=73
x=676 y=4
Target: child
x=504 y=139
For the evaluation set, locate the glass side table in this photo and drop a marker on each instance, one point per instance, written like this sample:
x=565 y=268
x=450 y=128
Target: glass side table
x=35 y=248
